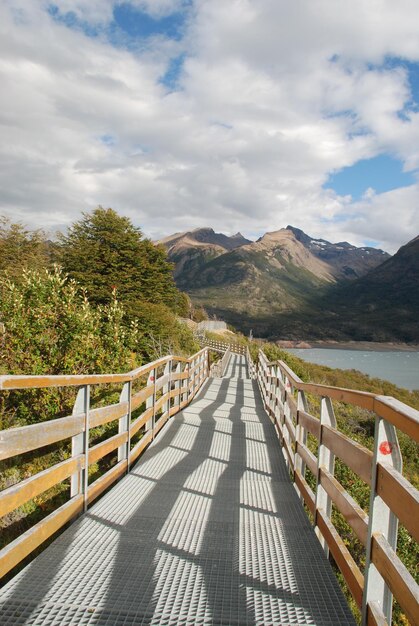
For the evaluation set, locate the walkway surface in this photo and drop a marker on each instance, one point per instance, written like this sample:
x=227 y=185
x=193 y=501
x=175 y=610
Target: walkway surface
x=206 y=529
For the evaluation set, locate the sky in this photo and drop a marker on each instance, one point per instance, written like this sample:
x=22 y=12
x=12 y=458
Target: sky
x=242 y=115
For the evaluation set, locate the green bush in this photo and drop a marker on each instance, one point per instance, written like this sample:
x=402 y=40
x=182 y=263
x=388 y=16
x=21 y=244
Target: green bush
x=51 y=328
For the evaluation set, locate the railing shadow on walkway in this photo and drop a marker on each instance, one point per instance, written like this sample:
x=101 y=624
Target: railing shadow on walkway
x=209 y=548
x=182 y=528
x=27 y=598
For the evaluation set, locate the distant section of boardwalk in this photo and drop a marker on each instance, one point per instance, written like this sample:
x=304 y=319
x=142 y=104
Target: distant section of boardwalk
x=206 y=529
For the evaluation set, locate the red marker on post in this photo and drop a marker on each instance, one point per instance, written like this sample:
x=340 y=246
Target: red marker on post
x=386 y=448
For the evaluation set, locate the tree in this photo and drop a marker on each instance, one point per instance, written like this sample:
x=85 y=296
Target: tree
x=160 y=333
x=104 y=251
x=21 y=248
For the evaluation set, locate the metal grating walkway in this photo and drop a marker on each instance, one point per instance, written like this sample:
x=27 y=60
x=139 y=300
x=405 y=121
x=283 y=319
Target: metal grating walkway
x=207 y=529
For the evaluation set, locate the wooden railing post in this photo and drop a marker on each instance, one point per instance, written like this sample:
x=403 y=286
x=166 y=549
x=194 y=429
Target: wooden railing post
x=381 y=519
x=124 y=423
x=80 y=445
x=326 y=459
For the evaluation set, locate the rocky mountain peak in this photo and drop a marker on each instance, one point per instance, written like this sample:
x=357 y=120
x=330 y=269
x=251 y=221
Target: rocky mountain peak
x=347 y=261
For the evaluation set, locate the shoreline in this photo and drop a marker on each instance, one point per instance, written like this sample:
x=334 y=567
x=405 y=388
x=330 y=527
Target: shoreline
x=365 y=346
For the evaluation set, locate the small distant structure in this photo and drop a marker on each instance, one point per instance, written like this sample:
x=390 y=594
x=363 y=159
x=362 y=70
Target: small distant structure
x=212 y=325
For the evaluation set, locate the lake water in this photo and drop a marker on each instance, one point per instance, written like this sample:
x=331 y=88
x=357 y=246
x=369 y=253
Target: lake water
x=400 y=368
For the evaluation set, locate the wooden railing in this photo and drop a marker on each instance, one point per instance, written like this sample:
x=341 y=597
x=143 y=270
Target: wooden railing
x=392 y=497
x=222 y=346
x=149 y=396
x=218 y=369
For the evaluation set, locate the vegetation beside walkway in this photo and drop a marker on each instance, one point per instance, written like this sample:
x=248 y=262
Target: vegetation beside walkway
x=102 y=299
x=358 y=424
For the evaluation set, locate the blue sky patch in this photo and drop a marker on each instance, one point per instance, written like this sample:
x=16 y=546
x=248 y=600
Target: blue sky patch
x=171 y=78
x=412 y=69
x=108 y=140
x=371 y=243
x=382 y=173
x=71 y=20
x=130 y=28
x=138 y=24
x=413 y=74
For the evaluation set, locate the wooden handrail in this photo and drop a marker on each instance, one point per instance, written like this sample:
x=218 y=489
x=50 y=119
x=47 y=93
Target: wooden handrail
x=397 y=413
x=168 y=385
x=223 y=346
x=12 y=381
x=392 y=497
x=218 y=369
x=163 y=395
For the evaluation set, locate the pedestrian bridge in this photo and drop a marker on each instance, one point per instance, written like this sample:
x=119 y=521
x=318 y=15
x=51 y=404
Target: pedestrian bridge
x=216 y=523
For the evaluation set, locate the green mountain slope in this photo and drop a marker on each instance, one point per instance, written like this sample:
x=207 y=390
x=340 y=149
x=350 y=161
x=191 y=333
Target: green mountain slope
x=274 y=275
x=384 y=304
x=289 y=285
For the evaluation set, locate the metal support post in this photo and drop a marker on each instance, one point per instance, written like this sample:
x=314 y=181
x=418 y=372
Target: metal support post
x=80 y=444
x=151 y=401
x=326 y=459
x=300 y=433
x=185 y=396
x=287 y=414
x=381 y=519
x=168 y=386
x=124 y=423
x=178 y=384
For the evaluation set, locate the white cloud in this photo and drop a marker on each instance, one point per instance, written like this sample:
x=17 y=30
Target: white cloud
x=274 y=96
x=92 y=11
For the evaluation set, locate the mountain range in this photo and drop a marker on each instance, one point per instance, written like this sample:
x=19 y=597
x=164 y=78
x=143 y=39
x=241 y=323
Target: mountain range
x=292 y=286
